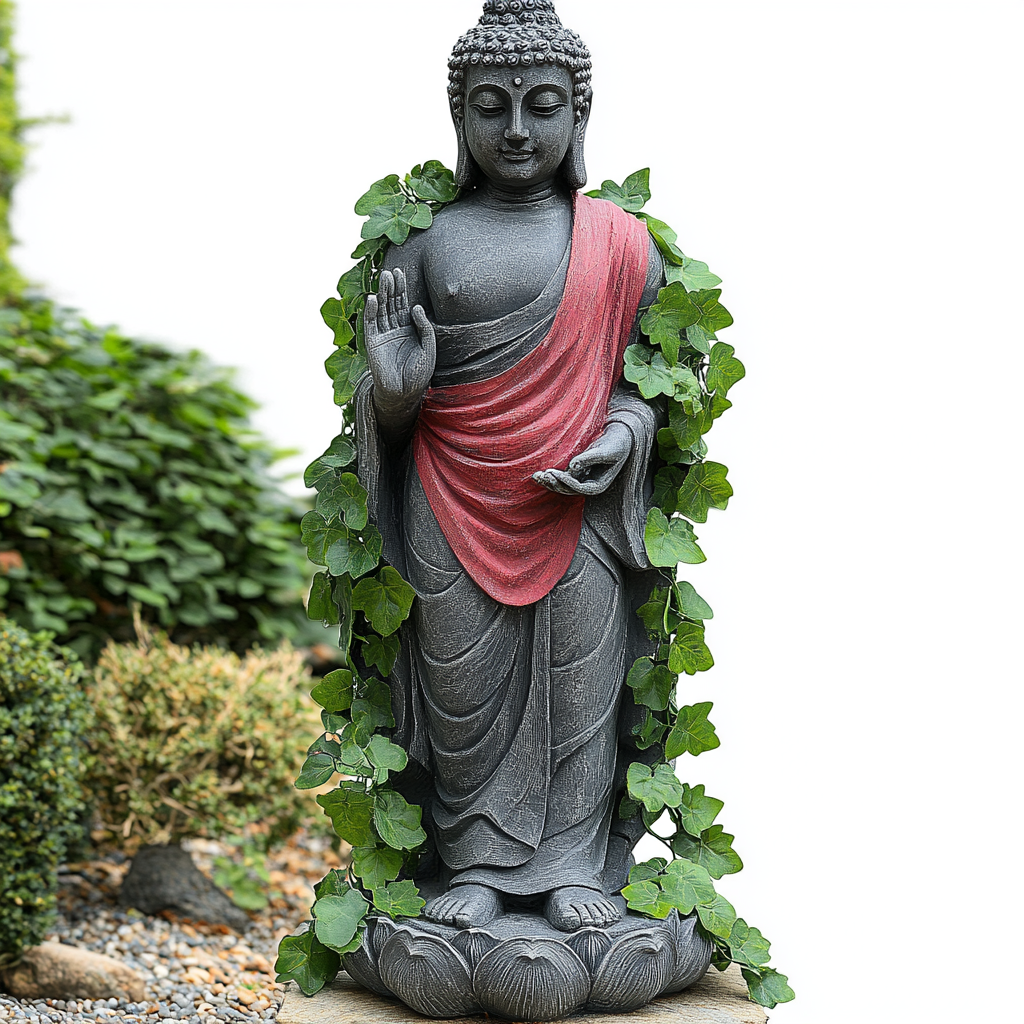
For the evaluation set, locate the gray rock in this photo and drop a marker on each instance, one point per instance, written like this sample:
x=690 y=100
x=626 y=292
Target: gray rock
x=57 y=971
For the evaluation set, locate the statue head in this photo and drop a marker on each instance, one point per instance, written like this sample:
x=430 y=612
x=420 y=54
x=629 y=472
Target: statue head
x=520 y=61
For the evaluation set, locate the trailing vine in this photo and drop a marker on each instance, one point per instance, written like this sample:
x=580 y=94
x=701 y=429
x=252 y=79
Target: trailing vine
x=678 y=363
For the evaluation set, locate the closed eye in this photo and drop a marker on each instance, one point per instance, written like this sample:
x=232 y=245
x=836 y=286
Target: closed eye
x=546 y=109
x=488 y=111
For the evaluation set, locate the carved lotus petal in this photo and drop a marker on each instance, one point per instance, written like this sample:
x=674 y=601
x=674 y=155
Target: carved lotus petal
x=590 y=945
x=428 y=974
x=380 y=929
x=362 y=966
x=692 y=955
x=474 y=944
x=635 y=970
x=531 y=979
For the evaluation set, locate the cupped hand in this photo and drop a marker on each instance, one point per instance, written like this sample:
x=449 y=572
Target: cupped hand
x=400 y=346
x=592 y=471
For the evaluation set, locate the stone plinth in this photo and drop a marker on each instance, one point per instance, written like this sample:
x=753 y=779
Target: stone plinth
x=715 y=999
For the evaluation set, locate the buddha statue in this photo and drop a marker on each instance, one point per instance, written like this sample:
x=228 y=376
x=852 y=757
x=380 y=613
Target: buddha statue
x=507 y=464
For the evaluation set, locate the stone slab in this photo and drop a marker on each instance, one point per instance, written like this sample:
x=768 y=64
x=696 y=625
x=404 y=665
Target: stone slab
x=718 y=998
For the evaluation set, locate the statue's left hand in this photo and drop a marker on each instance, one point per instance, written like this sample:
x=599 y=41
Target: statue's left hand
x=593 y=471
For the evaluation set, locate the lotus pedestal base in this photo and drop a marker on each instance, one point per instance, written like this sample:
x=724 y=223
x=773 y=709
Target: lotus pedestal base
x=520 y=968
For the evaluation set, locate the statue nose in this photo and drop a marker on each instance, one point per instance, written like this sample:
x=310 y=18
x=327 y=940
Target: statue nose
x=517 y=133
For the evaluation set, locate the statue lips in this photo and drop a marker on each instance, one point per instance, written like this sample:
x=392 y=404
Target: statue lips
x=518 y=156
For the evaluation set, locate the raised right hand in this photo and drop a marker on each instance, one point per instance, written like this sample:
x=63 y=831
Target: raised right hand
x=400 y=348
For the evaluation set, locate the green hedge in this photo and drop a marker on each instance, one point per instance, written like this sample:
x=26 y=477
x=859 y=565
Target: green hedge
x=43 y=717
x=129 y=474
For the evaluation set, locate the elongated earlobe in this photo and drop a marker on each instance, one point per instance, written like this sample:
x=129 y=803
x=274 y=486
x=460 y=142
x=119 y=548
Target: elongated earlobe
x=574 y=168
x=465 y=169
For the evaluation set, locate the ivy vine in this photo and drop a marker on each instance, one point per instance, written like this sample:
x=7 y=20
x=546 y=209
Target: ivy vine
x=679 y=363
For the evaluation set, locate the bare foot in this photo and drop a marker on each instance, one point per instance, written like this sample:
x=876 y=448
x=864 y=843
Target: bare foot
x=465 y=906
x=573 y=907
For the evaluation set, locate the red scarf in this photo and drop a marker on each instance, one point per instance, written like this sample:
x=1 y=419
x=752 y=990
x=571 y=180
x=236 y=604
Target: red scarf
x=478 y=445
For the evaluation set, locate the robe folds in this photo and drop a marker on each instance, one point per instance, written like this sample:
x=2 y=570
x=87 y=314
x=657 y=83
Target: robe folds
x=508 y=691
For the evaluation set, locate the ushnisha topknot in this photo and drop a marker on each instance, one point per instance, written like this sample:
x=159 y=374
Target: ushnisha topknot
x=515 y=33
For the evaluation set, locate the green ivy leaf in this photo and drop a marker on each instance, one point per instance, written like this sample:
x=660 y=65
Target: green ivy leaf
x=748 y=946
x=350 y=809
x=335 y=315
x=337 y=920
x=646 y=898
x=693 y=274
x=669 y=542
x=631 y=195
x=381 y=652
x=345 y=366
x=379 y=192
x=395 y=217
x=665 y=321
x=372 y=710
x=334 y=883
x=386 y=757
x=316 y=770
x=667 y=482
x=343 y=599
x=344 y=498
x=690 y=603
x=697 y=811
x=688 y=652
x=341 y=550
x=385 y=599
x=655 y=789
x=686 y=885
x=724 y=369
x=665 y=238
x=433 y=182
x=354 y=552
x=352 y=284
x=705 y=487
x=648 y=370
x=648 y=869
x=767 y=987
x=334 y=692
x=321 y=606
x=713 y=317
x=692 y=733
x=399 y=899
x=376 y=865
x=652 y=683
x=712 y=851
x=397 y=821
x=718 y=916
x=306 y=961
x=649 y=732
x=341 y=453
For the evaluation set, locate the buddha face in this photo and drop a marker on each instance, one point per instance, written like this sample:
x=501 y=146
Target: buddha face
x=518 y=122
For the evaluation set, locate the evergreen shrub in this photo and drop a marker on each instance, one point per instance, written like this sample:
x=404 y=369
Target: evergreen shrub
x=196 y=742
x=129 y=474
x=43 y=716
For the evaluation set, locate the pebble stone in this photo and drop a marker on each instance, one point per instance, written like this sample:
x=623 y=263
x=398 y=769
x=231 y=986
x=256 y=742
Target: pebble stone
x=192 y=972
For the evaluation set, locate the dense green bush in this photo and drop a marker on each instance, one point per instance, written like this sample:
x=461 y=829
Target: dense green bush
x=197 y=742
x=43 y=715
x=128 y=473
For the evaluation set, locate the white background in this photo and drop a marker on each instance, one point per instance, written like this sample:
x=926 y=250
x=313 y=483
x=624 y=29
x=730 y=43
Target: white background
x=852 y=171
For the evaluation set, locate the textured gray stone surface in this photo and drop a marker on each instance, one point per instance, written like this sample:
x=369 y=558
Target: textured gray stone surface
x=715 y=999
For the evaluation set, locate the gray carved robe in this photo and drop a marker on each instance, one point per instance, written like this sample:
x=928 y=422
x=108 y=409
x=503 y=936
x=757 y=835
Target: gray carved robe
x=515 y=718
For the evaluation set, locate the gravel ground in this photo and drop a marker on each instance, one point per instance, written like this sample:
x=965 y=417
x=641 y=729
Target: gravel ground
x=193 y=972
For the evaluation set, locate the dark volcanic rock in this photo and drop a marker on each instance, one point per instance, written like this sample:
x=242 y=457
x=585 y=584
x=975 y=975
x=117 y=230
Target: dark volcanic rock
x=165 y=878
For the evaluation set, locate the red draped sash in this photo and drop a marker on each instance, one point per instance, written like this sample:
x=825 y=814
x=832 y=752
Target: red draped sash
x=477 y=445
